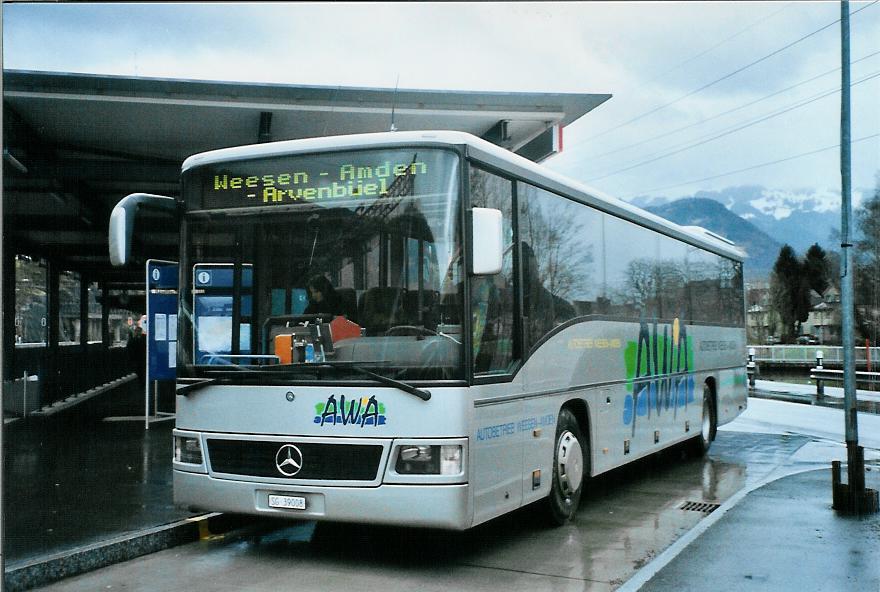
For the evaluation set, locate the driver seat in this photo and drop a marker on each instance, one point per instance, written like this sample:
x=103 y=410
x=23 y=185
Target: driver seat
x=381 y=309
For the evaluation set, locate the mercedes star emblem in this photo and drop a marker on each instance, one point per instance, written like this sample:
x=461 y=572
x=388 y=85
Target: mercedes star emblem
x=288 y=460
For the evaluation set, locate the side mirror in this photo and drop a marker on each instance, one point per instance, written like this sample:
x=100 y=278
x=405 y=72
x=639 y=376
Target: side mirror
x=122 y=222
x=488 y=242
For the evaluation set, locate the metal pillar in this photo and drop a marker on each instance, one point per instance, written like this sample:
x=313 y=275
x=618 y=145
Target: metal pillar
x=265 y=133
x=53 y=314
x=83 y=312
x=106 y=340
x=6 y=344
x=7 y=300
x=854 y=498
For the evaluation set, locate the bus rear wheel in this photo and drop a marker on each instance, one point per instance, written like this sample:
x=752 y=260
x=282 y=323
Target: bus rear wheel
x=569 y=468
x=708 y=423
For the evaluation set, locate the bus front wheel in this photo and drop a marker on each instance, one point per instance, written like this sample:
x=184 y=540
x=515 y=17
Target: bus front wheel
x=569 y=456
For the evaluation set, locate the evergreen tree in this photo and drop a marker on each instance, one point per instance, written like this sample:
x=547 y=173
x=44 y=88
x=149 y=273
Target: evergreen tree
x=789 y=293
x=816 y=269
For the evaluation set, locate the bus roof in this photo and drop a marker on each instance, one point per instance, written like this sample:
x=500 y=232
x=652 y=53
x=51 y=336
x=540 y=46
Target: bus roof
x=488 y=153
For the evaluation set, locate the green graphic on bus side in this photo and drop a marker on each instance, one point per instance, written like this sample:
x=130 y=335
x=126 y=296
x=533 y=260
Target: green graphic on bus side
x=659 y=366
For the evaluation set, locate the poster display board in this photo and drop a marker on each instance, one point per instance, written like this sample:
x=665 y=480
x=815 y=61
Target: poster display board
x=161 y=328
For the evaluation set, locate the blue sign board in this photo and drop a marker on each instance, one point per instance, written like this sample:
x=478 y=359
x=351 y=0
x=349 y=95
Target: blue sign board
x=162 y=282
x=213 y=311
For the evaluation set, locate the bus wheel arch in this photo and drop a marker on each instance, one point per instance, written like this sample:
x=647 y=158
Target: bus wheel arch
x=579 y=408
x=708 y=418
x=571 y=463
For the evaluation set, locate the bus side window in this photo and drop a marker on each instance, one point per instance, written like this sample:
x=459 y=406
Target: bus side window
x=560 y=250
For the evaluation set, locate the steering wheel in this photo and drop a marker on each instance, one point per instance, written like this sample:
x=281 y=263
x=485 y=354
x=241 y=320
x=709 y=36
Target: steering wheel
x=417 y=330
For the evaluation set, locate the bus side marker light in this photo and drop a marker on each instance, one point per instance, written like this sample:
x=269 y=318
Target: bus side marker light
x=536 y=479
x=656 y=436
x=687 y=426
x=626 y=446
x=604 y=451
x=537 y=432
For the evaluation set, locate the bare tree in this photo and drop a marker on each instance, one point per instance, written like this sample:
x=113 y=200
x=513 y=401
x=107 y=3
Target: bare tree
x=564 y=258
x=867 y=261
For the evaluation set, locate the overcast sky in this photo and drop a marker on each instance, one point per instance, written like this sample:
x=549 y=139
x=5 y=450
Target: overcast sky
x=646 y=55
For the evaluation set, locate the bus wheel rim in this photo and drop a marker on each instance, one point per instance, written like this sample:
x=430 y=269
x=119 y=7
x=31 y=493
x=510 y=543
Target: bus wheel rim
x=569 y=463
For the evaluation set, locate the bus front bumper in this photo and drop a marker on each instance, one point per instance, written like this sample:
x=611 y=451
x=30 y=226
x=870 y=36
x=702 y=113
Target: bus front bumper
x=430 y=506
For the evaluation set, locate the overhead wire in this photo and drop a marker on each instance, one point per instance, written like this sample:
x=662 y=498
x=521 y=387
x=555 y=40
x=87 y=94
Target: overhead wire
x=749 y=168
x=722 y=78
x=727 y=112
x=719 y=44
x=739 y=127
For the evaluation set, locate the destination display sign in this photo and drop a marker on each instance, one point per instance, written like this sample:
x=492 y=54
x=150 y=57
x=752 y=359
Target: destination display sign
x=315 y=179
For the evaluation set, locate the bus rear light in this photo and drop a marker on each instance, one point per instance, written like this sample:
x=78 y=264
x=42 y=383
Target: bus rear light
x=187 y=450
x=414 y=459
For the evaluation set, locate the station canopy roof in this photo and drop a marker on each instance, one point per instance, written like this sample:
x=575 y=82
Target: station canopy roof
x=74 y=144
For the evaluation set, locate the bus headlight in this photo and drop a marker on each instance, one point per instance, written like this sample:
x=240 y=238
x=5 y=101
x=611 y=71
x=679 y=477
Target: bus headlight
x=416 y=459
x=187 y=450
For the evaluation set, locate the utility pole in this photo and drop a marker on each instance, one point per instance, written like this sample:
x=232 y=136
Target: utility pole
x=3 y=363
x=852 y=497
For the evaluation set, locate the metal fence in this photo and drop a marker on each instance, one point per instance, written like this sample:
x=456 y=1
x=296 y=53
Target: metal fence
x=806 y=354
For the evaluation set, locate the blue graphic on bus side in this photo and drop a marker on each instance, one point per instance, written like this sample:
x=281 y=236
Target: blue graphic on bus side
x=649 y=363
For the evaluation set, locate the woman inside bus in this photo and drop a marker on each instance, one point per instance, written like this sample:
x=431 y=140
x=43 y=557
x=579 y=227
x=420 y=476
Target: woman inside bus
x=323 y=298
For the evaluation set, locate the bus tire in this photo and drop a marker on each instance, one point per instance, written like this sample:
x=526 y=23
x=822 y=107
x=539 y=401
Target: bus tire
x=570 y=454
x=708 y=423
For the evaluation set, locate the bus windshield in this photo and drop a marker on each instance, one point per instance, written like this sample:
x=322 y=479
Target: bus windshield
x=323 y=263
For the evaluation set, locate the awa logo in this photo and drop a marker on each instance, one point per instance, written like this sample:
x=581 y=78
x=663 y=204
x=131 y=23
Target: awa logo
x=659 y=371
x=361 y=411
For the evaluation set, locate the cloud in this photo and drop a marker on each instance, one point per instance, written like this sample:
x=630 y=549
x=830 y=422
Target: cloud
x=645 y=54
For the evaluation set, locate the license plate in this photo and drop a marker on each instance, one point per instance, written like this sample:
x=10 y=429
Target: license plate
x=288 y=502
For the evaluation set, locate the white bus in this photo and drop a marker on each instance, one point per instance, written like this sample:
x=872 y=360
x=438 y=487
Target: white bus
x=422 y=328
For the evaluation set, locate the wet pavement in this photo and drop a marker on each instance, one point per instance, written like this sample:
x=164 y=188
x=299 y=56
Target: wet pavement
x=783 y=536
x=75 y=480
x=627 y=518
x=88 y=480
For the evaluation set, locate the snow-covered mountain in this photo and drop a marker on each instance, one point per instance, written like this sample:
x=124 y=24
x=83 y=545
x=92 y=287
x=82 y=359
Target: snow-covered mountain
x=799 y=218
x=762 y=250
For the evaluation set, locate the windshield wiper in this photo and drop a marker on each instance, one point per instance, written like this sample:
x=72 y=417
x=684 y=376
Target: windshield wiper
x=405 y=387
x=224 y=374
x=185 y=389
x=281 y=368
